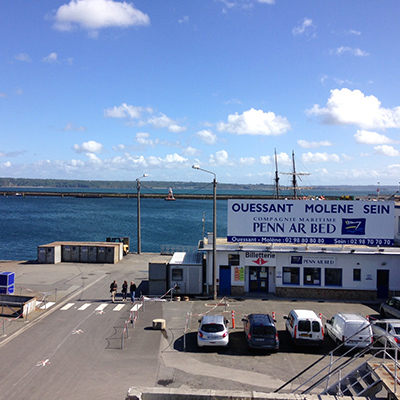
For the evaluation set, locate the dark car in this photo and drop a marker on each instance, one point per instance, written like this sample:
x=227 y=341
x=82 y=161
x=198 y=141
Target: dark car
x=261 y=332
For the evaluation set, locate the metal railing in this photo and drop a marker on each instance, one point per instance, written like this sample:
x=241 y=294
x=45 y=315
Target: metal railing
x=339 y=367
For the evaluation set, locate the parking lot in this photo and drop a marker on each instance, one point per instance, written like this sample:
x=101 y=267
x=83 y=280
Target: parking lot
x=237 y=367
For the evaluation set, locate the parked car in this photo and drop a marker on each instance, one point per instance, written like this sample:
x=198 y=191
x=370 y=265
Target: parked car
x=213 y=331
x=261 y=332
x=351 y=330
x=387 y=331
x=390 y=308
x=305 y=327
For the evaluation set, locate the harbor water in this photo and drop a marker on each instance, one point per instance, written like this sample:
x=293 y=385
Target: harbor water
x=31 y=221
x=28 y=222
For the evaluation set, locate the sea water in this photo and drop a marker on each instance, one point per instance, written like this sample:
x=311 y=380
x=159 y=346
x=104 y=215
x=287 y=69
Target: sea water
x=28 y=222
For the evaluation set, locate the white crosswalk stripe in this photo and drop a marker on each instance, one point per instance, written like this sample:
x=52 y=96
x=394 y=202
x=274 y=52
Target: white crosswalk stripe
x=136 y=307
x=45 y=305
x=67 y=306
x=101 y=307
x=84 y=307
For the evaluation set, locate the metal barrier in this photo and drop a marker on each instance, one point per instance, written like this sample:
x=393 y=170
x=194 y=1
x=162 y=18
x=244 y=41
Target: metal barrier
x=133 y=316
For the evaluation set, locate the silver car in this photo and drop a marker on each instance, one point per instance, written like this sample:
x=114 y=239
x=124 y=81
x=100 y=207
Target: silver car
x=387 y=330
x=390 y=308
x=213 y=331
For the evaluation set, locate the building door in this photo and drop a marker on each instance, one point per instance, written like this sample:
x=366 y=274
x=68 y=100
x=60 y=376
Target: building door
x=258 y=279
x=224 y=280
x=382 y=283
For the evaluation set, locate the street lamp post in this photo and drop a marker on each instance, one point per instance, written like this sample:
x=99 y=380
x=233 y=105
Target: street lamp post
x=138 y=213
x=214 y=228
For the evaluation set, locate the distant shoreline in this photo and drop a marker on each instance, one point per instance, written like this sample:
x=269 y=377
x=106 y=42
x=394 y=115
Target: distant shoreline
x=181 y=196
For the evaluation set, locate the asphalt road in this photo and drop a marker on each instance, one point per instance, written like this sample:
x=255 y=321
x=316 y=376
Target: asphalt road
x=74 y=350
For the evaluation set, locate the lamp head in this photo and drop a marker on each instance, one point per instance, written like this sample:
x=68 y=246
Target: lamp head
x=196 y=166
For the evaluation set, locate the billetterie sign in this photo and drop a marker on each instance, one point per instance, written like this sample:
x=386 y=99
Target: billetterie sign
x=367 y=223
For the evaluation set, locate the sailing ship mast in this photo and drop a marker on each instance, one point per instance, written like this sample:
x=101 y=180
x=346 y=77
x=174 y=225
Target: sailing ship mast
x=276 y=177
x=295 y=174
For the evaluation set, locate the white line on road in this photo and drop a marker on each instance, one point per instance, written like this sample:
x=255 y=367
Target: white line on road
x=119 y=307
x=136 y=307
x=101 y=307
x=67 y=306
x=84 y=307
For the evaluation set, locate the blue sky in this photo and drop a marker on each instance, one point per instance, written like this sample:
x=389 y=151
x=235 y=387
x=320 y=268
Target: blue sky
x=112 y=90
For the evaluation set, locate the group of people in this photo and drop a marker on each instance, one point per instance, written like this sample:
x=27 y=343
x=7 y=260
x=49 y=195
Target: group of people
x=124 y=290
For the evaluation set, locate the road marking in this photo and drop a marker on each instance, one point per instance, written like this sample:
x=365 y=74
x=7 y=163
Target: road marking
x=136 y=307
x=84 y=307
x=101 y=307
x=77 y=332
x=69 y=305
x=47 y=305
x=119 y=307
x=43 y=363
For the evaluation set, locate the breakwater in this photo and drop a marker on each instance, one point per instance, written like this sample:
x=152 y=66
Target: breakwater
x=182 y=196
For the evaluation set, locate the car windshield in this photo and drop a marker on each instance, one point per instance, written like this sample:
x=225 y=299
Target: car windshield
x=304 y=326
x=396 y=330
x=212 y=328
x=263 y=330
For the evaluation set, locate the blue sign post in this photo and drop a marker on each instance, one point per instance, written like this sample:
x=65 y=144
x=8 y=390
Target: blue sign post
x=7 y=282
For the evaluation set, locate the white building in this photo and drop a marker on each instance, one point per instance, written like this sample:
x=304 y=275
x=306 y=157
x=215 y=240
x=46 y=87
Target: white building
x=310 y=270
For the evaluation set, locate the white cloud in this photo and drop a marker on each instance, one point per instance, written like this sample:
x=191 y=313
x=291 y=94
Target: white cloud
x=386 y=150
x=353 y=51
x=119 y=147
x=143 y=138
x=71 y=127
x=190 y=151
x=352 y=107
x=305 y=25
x=90 y=147
x=314 y=158
x=51 y=58
x=266 y=160
x=136 y=113
x=368 y=137
x=247 y=160
x=313 y=145
x=162 y=121
x=219 y=158
x=207 y=136
x=97 y=14
x=126 y=111
x=6 y=164
x=23 y=57
x=184 y=20
x=255 y=122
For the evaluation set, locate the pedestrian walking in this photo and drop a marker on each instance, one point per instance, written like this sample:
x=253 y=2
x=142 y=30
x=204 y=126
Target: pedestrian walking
x=132 y=290
x=113 y=290
x=124 y=290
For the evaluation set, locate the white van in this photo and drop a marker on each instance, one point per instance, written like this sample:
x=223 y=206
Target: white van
x=305 y=327
x=353 y=330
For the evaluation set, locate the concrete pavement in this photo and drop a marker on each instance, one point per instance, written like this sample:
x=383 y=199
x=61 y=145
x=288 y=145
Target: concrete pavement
x=54 y=284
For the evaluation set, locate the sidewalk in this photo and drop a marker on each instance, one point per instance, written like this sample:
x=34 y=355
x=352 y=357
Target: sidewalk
x=54 y=284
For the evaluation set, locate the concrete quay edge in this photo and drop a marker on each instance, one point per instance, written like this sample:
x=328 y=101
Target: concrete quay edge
x=149 y=393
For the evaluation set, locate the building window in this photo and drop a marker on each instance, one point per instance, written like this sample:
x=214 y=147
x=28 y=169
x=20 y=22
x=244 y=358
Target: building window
x=333 y=277
x=234 y=259
x=357 y=274
x=291 y=275
x=177 y=274
x=312 y=276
